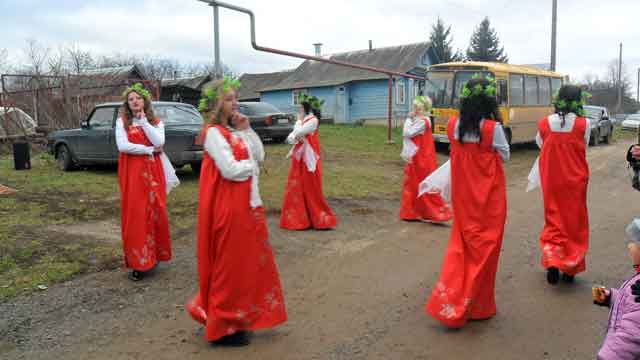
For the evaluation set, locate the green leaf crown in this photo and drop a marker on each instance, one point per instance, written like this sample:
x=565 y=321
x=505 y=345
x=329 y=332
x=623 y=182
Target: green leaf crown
x=210 y=94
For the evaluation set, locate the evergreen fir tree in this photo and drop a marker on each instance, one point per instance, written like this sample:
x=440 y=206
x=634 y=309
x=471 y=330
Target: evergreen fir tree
x=441 y=42
x=485 y=45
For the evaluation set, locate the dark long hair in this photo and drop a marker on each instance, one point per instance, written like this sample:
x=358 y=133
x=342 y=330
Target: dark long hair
x=476 y=107
x=126 y=114
x=569 y=100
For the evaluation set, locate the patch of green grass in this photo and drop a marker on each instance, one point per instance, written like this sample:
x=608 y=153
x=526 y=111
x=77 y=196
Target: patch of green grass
x=620 y=134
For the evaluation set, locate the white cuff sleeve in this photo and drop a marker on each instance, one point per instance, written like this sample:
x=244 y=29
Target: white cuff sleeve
x=413 y=127
x=307 y=128
x=219 y=149
x=155 y=134
x=123 y=144
x=500 y=143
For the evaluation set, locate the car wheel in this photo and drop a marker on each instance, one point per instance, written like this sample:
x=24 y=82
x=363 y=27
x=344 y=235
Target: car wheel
x=595 y=138
x=63 y=158
x=607 y=139
x=195 y=167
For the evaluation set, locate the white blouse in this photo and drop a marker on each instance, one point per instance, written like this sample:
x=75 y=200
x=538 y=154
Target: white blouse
x=123 y=144
x=500 y=143
x=301 y=130
x=256 y=153
x=555 y=124
x=412 y=128
x=220 y=151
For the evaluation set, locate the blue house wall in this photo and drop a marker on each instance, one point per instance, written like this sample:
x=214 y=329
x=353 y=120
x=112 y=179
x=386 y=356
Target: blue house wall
x=355 y=101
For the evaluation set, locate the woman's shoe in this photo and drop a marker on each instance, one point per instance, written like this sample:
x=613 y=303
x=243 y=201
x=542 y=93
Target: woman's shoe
x=553 y=275
x=135 y=275
x=240 y=338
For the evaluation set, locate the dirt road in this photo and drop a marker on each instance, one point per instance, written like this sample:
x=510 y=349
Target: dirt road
x=353 y=293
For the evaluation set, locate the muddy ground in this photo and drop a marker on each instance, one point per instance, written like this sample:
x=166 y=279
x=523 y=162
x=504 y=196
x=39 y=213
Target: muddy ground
x=353 y=293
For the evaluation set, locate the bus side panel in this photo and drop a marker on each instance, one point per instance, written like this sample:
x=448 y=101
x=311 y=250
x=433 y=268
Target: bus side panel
x=523 y=122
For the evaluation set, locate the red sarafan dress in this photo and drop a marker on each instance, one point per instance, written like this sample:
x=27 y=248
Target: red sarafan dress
x=430 y=207
x=143 y=201
x=239 y=282
x=304 y=205
x=564 y=176
x=465 y=289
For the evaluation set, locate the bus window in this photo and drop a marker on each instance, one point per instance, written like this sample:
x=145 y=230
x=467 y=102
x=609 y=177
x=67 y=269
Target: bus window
x=503 y=94
x=516 y=88
x=438 y=86
x=531 y=90
x=555 y=85
x=545 y=90
x=463 y=77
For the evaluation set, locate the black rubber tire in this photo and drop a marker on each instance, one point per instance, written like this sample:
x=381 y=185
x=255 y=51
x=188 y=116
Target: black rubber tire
x=595 y=138
x=64 y=159
x=607 y=139
x=195 y=167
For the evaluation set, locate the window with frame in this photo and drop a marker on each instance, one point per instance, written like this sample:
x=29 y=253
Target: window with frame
x=555 y=85
x=503 y=97
x=297 y=93
x=544 y=84
x=531 y=90
x=102 y=118
x=400 y=92
x=516 y=89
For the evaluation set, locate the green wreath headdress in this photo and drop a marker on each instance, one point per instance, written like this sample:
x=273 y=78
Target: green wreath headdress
x=209 y=95
x=138 y=88
x=313 y=101
x=425 y=101
x=573 y=106
x=490 y=90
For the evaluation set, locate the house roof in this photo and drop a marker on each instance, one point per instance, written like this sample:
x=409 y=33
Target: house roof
x=116 y=72
x=311 y=73
x=194 y=83
x=251 y=83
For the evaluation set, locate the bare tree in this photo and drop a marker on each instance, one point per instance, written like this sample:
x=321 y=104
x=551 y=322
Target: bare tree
x=37 y=56
x=4 y=60
x=57 y=62
x=78 y=60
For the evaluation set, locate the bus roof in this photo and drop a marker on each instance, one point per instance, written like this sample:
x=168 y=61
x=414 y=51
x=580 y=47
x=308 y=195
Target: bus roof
x=495 y=67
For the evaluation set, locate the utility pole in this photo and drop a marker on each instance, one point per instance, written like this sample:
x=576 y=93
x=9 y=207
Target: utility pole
x=216 y=40
x=638 y=90
x=554 y=23
x=620 y=80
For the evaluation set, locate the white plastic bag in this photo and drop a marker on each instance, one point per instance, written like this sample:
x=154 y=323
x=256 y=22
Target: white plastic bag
x=534 y=176
x=439 y=182
x=169 y=173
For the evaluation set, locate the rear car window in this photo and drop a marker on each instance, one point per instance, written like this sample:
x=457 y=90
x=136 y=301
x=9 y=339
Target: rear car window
x=177 y=115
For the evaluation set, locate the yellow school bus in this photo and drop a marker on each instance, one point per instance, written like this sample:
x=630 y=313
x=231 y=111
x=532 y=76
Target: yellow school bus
x=524 y=95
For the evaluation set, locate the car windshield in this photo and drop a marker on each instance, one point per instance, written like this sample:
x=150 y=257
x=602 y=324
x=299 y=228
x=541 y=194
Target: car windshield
x=593 y=112
x=178 y=115
x=261 y=108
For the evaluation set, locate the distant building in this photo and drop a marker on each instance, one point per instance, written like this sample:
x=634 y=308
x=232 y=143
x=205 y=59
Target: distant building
x=354 y=95
x=186 y=90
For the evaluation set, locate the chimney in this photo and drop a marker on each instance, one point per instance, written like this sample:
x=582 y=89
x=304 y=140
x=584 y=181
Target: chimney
x=370 y=45
x=318 y=49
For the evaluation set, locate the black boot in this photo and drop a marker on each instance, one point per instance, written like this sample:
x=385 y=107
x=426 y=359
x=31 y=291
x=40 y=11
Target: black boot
x=135 y=275
x=241 y=338
x=567 y=278
x=553 y=275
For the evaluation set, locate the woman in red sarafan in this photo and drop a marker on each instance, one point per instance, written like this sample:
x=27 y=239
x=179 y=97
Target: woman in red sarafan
x=563 y=172
x=143 y=184
x=239 y=287
x=419 y=152
x=304 y=205
x=465 y=289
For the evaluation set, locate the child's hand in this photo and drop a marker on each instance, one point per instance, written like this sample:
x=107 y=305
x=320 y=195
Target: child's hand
x=601 y=296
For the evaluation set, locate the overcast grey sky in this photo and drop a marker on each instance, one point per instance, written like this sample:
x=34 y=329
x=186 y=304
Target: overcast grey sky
x=589 y=31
